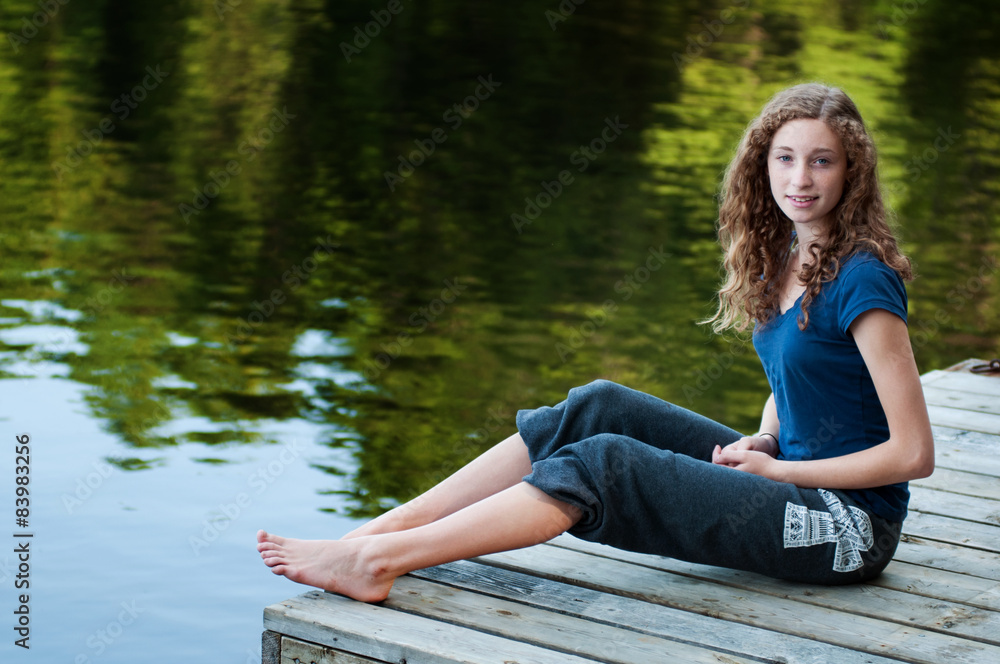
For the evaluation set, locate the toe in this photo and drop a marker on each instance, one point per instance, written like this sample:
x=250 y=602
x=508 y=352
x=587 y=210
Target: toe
x=264 y=537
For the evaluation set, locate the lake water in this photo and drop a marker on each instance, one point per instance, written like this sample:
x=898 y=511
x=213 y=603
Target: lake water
x=260 y=269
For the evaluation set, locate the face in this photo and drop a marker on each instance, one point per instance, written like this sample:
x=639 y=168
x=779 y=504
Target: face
x=806 y=165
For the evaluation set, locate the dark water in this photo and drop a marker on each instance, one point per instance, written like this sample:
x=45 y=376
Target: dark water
x=231 y=227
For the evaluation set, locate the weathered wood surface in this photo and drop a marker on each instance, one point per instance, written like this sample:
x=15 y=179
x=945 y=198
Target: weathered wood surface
x=386 y=635
x=963 y=400
x=294 y=651
x=573 y=601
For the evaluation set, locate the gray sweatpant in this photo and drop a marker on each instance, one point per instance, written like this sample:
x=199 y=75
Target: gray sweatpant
x=640 y=470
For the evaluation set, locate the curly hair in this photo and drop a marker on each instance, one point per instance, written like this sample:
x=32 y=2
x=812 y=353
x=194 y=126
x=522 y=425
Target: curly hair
x=755 y=234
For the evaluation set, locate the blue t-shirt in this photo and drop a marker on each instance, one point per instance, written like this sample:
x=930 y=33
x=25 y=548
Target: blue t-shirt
x=826 y=400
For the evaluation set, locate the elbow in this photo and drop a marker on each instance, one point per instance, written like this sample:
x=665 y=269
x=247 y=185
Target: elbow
x=922 y=463
x=923 y=469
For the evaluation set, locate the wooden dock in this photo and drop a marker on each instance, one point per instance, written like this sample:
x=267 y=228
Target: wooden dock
x=570 y=601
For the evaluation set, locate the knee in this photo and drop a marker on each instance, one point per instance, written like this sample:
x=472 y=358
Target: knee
x=600 y=390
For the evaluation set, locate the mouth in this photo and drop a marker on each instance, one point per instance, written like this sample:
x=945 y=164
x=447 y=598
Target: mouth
x=802 y=201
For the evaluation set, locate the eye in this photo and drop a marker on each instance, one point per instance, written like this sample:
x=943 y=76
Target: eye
x=823 y=161
x=783 y=157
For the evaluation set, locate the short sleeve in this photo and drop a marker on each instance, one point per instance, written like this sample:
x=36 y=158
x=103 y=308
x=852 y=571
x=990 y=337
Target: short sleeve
x=868 y=283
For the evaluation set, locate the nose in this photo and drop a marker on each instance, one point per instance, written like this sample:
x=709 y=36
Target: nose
x=801 y=177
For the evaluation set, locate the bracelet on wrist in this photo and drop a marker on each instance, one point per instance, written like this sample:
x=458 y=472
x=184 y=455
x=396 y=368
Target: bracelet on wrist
x=767 y=433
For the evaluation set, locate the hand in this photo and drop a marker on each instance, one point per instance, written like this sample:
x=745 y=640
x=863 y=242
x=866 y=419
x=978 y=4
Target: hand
x=751 y=454
x=755 y=443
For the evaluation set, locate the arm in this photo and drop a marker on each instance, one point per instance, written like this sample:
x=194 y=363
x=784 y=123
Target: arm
x=908 y=453
x=769 y=420
x=761 y=443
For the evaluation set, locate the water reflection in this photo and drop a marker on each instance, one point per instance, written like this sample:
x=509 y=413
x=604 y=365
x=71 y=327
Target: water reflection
x=254 y=240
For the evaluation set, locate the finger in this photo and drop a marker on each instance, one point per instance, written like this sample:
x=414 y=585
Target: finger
x=732 y=457
x=719 y=454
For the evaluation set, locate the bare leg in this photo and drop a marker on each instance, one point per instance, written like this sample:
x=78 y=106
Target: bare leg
x=365 y=567
x=498 y=468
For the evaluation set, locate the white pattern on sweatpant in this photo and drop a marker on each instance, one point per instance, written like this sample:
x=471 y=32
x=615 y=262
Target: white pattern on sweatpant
x=849 y=527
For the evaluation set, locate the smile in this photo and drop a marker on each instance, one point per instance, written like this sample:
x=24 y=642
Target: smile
x=803 y=199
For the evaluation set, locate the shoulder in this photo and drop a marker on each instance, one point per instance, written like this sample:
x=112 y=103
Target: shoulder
x=864 y=282
x=864 y=269
x=864 y=262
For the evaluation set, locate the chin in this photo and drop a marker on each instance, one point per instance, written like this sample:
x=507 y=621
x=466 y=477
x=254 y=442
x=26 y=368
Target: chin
x=812 y=218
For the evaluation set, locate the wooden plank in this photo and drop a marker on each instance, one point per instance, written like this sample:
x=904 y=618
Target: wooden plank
x=270 y=647
x=642 y=617
x=970 y=451
x=953 y=586
x=614 y=644
x=956 y=505
x=751 y=607
x=883 y=603
x=981 y=403
x=949 y=557
x=940 y=584
x=953 y=531
x=963 y=382
x=974 y=485
x=967 y=440
x=954 y=458
x=965 y=419
x=386 y=635
x=294 y=651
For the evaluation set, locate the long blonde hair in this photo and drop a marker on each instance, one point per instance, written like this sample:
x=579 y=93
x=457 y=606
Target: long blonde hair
x=755 y=234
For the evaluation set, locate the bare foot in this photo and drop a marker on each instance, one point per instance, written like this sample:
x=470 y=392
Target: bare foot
x=333 y=565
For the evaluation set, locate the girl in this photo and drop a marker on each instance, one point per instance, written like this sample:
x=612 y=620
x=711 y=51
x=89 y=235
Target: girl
x=817 y=495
